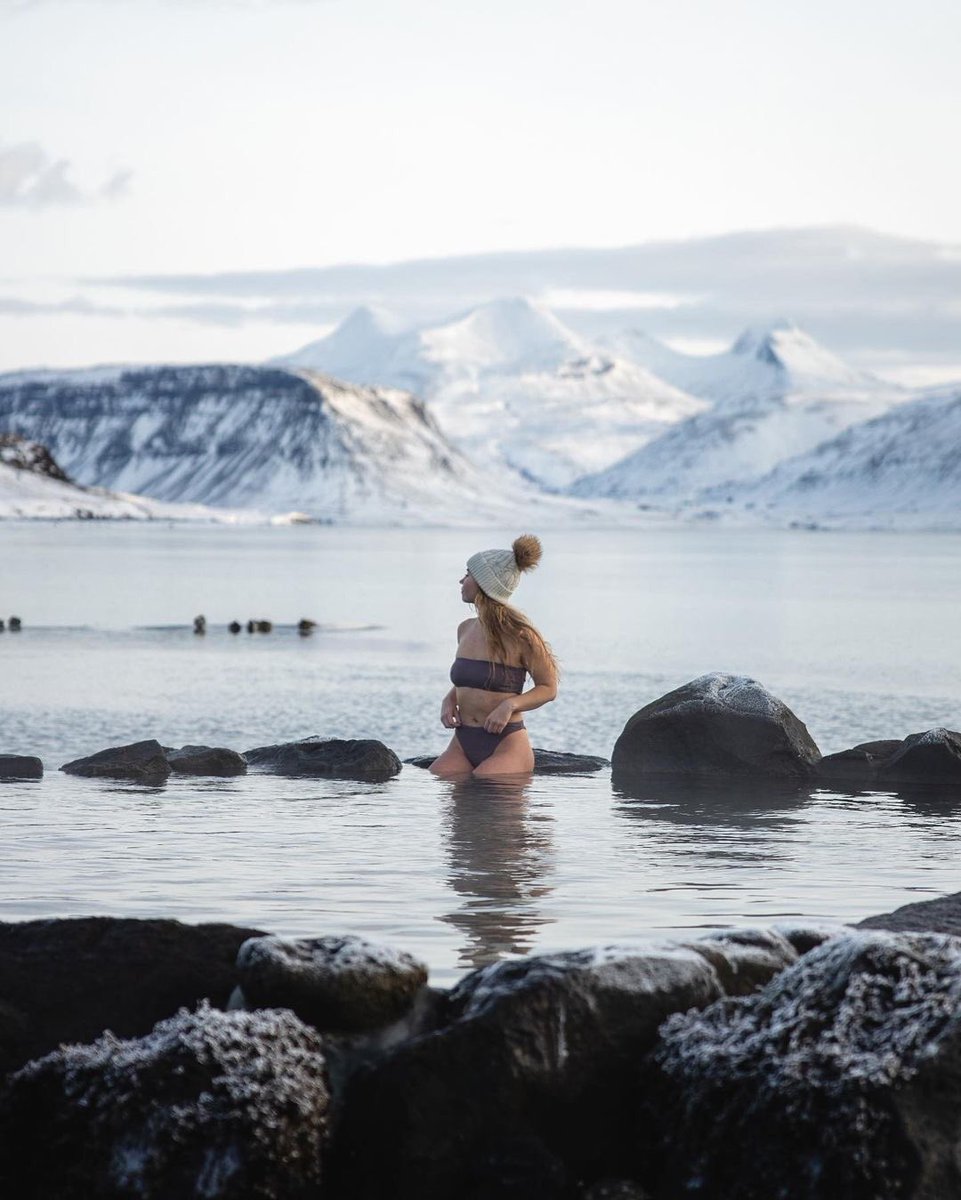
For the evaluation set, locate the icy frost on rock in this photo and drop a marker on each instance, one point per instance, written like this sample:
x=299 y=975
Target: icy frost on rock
x=826 y=1082
x=232 y=1105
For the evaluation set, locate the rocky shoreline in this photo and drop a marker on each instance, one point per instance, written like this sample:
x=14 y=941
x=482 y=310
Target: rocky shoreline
x=154 y=1059
x=717 y=728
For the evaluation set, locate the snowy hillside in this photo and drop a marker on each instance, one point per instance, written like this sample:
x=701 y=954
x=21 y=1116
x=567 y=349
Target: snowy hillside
x=511 y=385
x=775 y=393
x=248 y=438
x=903 y=467
x=33 y=485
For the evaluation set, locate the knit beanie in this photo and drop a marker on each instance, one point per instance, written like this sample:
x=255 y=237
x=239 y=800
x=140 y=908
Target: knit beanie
x=498 y=572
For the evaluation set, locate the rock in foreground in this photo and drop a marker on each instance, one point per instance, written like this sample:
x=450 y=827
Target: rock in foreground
x=226 y=1105
x=839 y=1079
x=20 y=766
x=69 y=980
x=718 y=727
x=334 y=983
x=328 y=758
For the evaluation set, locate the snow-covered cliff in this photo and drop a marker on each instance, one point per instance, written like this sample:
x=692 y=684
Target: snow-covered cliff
x=245 y=437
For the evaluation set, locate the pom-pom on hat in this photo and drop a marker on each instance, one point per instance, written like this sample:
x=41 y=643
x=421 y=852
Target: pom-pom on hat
x=498 y=572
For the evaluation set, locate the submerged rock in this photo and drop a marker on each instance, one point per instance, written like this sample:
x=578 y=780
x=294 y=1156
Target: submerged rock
x=838 y=1079
x=20 y=766
x=210 y=1104
x=69 y=980
x=329 y=758
x=205 y=760
x=717 y=726
x=533 y=1079
x=335 y=983
x=144 y=762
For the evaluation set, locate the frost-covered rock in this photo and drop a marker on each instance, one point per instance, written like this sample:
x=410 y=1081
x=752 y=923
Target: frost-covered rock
x=69 y=980
x=231 y=1106
x=839 y=1079
x=716 y=726
x=144 y=762
x=20 y=766
x=329 y=758
x=335 y=983
x=205 y=760
x=537 y=1066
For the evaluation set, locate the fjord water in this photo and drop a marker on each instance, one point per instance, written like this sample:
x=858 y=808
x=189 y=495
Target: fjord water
x=857 y=632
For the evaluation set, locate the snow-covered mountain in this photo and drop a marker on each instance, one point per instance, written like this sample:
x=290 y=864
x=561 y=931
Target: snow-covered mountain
x=511 y=385
x=33 y=485
x=245 y=437
x=776 y=393
x=901 y=467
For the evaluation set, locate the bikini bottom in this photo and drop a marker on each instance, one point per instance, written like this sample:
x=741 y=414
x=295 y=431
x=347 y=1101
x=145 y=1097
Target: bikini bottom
x=478 y=744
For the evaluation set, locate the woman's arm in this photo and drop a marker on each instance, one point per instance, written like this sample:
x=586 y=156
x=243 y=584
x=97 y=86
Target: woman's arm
x=449 y=713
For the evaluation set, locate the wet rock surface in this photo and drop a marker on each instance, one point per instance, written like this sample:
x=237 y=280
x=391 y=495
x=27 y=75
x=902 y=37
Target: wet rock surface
x=933 y=756
x=20 y=766
x=859 y=765
x=334 y=983
x=717 y=726
x=533 y=1079
x=842 y=1077
x=331 y=758
x=69 y=980
x=209 y=1104
x=205 y=760
x=144 y=762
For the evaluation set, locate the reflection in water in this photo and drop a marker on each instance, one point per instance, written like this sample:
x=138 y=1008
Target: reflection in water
x=739 y=825
x=499 y=853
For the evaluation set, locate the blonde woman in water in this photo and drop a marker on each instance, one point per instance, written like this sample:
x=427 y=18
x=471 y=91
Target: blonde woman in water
x=496 y=651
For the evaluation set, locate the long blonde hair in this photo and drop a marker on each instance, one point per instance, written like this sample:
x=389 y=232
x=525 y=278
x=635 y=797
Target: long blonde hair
x=509 y=632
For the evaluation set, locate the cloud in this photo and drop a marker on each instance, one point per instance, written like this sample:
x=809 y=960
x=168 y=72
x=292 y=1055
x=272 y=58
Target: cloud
x=29 y=178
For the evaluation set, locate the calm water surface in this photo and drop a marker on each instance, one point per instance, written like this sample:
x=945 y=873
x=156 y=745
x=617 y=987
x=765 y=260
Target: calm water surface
x=857 y=632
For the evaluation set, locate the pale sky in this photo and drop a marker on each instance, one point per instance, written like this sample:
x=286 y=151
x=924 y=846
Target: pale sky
x=207 y=135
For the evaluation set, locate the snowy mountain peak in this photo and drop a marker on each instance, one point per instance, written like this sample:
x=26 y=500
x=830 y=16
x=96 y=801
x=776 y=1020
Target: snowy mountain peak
x=505 y=333
x=793 y=353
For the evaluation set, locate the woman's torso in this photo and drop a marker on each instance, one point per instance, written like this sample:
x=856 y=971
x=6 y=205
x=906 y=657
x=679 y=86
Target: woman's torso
x=477 y=703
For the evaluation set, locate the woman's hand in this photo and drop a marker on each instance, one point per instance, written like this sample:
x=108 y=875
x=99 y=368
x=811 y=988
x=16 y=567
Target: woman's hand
x=499 y=717
x=449 y=713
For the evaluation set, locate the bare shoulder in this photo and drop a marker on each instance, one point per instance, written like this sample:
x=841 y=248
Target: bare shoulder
x=463 y=627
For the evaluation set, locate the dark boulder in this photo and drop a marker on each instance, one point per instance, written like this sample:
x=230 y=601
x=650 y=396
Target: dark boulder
x=546 y=762
x=68 y=980
x=144 y=762
x=859 y=765
x=931 y=757
x=226 y=1105
x=328 y=758
x=942 y=915
x=717 y=726
x=205 y=760
x=745 y=959
x=538 y=1060
x=334 y=983
x=20 y=766
x=842 y=1078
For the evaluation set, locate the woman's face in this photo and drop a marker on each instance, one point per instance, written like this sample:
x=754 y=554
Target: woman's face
x=468 y=588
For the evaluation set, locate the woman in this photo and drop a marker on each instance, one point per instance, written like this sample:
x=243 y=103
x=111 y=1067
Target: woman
x=496 y=650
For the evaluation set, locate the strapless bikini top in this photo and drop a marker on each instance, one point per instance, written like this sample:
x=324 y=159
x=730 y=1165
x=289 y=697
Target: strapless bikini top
x=488 y=676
